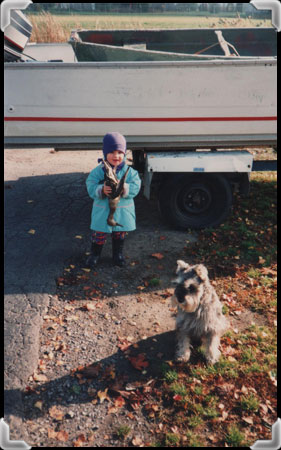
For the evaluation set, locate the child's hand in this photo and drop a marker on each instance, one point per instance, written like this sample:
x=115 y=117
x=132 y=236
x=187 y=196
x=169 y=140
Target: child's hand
x=107 y=190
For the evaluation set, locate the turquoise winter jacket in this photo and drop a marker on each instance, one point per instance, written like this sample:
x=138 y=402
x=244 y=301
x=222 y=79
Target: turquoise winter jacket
x=125 y=211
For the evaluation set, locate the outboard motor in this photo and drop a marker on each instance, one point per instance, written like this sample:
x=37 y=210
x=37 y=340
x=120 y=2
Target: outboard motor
x=16 y=36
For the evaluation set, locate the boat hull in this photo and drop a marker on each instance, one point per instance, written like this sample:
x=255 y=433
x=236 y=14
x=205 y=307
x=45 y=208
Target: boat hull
x=167 y=104
x=173 y=44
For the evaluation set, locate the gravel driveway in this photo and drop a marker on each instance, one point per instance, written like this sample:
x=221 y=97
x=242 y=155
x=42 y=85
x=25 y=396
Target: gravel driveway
x=47 y=216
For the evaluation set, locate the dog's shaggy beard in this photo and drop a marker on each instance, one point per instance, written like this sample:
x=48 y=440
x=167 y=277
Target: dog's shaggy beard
x=198 y=317
x=189 y=296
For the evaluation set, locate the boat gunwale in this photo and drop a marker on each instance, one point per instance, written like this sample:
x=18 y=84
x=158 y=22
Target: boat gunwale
x=262 y=60
x=107 y=30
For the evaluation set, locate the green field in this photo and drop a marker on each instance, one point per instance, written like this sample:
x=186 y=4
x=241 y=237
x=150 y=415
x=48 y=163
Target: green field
x=57 y=28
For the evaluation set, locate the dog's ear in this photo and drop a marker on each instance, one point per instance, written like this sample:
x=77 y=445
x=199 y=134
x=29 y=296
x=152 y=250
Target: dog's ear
x=181 y=265
x=201 y=271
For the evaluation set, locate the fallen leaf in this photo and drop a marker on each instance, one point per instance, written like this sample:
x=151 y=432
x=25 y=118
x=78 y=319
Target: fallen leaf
x=89 y=306
x=42 y=366
x=135 y=404
x=154 y=407
x=62 y=436
x=264 y=408
x=157 y=255
x=124 y=343
x=109 y=372
x=139 y=362
x=225 y=388
x=168 y=293
x=137 y=441
x=112 y=410
x=119 y=402
x=71 y=318
x=248 y=420
x=99 y=305
x=49 y=317
x=102 y=395
x=268 y=271
x=78 y=237
x=244 y=390
x=31 y=231
x=52 y=434
x=79 y=441
x=223 y=417
x=40 y=377
x=56 y=413
x=91 y=371
x=39 y=405
x=212 y=437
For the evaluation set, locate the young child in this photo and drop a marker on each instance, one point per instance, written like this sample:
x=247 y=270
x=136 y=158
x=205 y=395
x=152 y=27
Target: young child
x=114 y=152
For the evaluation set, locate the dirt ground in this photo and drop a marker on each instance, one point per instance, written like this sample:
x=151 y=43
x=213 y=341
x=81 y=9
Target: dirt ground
x=93 y=335
x=107 y=332
x=99 y=320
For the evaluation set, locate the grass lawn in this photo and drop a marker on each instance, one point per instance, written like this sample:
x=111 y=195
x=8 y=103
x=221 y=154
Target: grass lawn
x=57 y=28
x=230 y=402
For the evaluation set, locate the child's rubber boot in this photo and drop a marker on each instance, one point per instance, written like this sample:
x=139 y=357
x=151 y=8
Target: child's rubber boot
x=94 y=257
x=117 y=252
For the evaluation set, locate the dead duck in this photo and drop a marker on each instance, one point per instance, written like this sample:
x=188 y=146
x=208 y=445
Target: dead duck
x=117 y=186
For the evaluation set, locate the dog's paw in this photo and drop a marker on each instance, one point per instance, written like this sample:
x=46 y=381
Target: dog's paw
x=213 y=358
x=182 y=357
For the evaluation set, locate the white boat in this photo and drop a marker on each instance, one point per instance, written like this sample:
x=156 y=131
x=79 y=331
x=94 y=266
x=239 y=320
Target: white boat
x=173 y=104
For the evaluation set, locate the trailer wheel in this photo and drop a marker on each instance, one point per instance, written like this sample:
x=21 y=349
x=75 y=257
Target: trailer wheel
x=195 y=200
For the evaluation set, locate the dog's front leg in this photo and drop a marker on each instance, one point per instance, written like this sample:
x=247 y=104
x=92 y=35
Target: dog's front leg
x=212 y=343
x=183 y=346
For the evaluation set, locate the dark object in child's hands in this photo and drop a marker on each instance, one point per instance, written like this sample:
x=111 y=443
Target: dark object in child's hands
x=116 y=192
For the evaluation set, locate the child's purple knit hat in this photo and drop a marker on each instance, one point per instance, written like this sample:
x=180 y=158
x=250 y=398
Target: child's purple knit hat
x=113 y=141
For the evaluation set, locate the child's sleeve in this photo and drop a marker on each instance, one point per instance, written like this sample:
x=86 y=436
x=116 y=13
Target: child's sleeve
x=95 y=183
x=132 y=185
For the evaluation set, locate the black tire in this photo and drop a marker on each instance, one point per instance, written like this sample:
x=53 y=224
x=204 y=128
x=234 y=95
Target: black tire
x=195 y=200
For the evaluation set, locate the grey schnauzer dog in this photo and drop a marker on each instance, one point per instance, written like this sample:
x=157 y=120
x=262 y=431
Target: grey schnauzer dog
x=199 y=316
